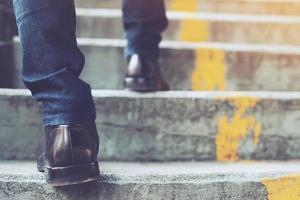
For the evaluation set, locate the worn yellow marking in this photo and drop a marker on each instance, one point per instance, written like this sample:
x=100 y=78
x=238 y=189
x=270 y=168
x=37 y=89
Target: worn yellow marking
x=249 y=162
x=210 y=74
x=209 y=70
x=184 y=5
x=193 y=31
x=284 y=188
x=232 y=130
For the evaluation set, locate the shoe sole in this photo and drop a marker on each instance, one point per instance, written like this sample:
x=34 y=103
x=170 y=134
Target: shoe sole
x=71 y=175
x=139 y=85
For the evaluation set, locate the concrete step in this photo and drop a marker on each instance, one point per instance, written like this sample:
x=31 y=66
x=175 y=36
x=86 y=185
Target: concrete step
x=177 y=181
x=169 y=126
x=199 y=27
x=282 y=7
x=196 y=66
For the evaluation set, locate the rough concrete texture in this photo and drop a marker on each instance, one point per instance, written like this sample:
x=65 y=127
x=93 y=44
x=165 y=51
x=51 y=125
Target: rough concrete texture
x=288 y=7
x=133 y=181
x=204 y=66
x=169 y=126
x=209 y=27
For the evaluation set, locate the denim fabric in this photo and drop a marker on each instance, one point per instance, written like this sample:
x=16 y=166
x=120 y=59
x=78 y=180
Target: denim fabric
x=52 y=61
x=144 y=21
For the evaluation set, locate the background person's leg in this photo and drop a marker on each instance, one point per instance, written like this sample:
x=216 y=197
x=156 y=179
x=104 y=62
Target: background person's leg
x=52 y=61
x=144 y=21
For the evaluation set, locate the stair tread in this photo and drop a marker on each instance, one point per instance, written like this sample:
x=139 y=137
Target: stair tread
x=178 y=45
x=176 y=172
x=286 y=7
x=279 y=95
x=210 y=16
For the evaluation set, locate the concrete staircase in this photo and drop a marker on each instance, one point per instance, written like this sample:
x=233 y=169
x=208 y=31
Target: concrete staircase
x=160 y=181
x=287 y=7
x=204 y=140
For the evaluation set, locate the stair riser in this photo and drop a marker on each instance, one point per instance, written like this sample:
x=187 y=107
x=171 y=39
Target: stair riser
x=134 y=191
x=206 y=68
x=229 y=6
x=199 y=30
x=165 y=129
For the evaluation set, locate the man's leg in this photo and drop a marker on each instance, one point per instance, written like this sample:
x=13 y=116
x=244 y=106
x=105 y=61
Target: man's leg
x=7 y=30
x=52 y=63
x=144 y=21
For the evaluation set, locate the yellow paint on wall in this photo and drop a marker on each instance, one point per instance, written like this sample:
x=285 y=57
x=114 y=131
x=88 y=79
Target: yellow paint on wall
x=209 y=73
x=284 y=188
x=184 y=5
x=231 y=130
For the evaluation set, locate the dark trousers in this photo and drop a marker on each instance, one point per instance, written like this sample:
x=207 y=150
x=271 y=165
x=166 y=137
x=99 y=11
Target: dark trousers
x=144 y=21
x=52 y=61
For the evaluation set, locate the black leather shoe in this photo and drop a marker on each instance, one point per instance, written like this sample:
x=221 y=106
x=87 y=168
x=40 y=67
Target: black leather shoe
x=143 y=75
x=70 y=155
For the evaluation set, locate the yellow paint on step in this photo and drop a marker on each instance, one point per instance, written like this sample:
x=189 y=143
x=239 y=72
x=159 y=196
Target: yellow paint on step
x=249 y=162
x=210 y=68
x=284 y=188
x=194 y=31
x=209 y=73
x=231 y=130
x=257 y=131
x=184 y=5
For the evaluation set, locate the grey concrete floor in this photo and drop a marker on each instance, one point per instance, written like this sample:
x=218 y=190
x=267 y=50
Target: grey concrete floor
x=183 y=172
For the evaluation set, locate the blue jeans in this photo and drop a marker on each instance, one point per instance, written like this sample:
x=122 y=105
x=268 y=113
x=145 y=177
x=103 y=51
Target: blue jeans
x=144 y=21
x=52 y=61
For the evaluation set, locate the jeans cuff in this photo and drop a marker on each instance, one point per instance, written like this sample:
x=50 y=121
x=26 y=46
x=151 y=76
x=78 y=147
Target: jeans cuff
x=65 y=119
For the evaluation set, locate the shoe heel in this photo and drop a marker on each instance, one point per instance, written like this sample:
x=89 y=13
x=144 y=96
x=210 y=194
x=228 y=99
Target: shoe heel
x=138 y=85
x=62 y=176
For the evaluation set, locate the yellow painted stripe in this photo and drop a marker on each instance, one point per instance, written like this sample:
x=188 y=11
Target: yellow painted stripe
x=194 y=31
x=210 y=68
x=231 y=130
x=184 y=5
x=284 y=188
x=209 y=73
